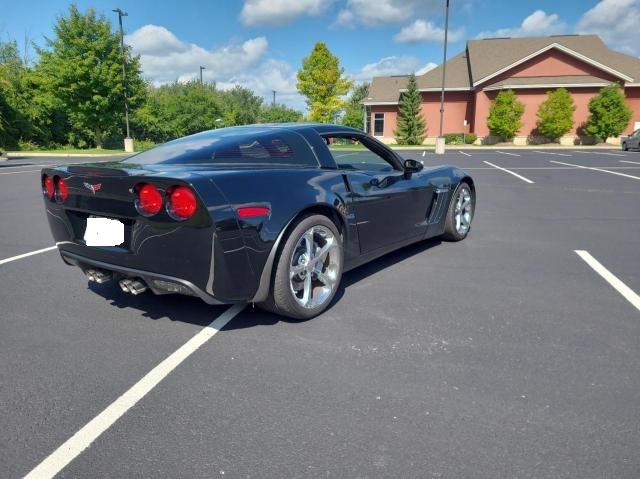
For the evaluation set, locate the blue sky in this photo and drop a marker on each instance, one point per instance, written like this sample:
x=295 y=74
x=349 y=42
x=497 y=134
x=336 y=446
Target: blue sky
x=261 y=43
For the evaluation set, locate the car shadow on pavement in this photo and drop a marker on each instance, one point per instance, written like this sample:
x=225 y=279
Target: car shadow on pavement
x=195 y=311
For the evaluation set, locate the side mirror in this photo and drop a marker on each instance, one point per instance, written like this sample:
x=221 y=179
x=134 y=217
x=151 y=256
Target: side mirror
x=412 y=166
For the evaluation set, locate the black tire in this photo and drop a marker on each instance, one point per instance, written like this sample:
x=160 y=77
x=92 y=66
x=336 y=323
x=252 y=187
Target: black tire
x=451 y=233
x=624 y=146
x=281 y=299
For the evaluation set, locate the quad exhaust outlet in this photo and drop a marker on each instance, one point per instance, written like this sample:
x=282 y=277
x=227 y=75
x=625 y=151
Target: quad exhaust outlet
x=98 y=276
x=132 y=286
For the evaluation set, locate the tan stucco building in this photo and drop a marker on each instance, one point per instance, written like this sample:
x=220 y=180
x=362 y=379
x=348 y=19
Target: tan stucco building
x=531 y=67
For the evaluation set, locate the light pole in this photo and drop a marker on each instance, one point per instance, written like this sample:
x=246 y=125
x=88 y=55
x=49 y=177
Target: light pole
x=128 y=141
x=440 y=140
x=201 y=68
x=274 y=98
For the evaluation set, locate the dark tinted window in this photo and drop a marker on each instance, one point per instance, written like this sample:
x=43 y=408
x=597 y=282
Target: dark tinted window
x=235 y=146
x=351 y=154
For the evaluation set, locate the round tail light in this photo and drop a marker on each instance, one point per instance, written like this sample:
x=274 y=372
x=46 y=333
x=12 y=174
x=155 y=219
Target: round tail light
x=149 y=199
x=47 y=187
x=181 y=203
x=62 y=192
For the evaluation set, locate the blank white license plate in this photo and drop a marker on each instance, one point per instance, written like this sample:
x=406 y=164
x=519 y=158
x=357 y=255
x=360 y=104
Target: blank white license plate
x=104 y=232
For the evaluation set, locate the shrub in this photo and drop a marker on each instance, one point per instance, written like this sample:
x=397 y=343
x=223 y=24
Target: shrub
x=460 y=138
x=555 y=114
x=609 y=113
x=141 y=145
x=505 y=115
x=24 y=145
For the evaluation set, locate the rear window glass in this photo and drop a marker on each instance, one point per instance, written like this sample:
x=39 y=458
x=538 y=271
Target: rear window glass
x=233 y=146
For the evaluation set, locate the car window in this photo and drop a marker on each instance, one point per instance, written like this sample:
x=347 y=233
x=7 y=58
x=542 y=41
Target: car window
x=636 y=134
x=234 y=146
x=350 y=154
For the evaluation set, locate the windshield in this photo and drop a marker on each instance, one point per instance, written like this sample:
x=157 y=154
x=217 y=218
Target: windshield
x=232 y=146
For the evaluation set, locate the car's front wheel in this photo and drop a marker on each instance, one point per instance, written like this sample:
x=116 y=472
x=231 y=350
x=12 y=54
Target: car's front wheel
x=460 y=213
x=308 y=270
x=624 y=146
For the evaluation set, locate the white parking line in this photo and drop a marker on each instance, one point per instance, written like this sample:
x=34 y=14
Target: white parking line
x=466 y=154
x=632 y=162
x=507 y=153
x=597 y=169
x=510 y=172
x=551 y=153
x=17 y=172
x=82 y=439
x=609 y=277
x=612 y=154
x=25 y=255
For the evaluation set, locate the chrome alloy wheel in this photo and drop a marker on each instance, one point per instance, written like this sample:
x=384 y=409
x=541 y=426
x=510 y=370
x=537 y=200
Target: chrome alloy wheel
x=315 y=266
x=463 y=211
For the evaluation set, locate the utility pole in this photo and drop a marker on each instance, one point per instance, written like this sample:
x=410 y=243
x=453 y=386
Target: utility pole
x=201 y=68
x=440 y=141
x=274 y=98
x=128 y=142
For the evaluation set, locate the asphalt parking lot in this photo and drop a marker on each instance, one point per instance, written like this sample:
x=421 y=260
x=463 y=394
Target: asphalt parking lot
x=505 y=355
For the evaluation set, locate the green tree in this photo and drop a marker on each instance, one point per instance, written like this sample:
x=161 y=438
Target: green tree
x=279 y=114
x=178 y=109
x=555 y=114
x=354 y=111
x=610 y=114
x=240 y=106
x=411 y=128
x=320 y=80
x=82 y=68
x=505 y=115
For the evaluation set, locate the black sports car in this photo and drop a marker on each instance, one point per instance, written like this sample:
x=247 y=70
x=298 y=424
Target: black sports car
x=269 y=214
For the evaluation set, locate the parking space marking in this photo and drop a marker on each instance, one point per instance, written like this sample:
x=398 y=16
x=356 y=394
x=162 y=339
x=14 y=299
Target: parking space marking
x=632 y=162
x=507 y=153
x=611 y=154
x=527 y=180
x=466 y=154
x=82 y=439
x=551 y=153
x=25 y=255
x=17 y=172
x=610 y=278
x=597 y=169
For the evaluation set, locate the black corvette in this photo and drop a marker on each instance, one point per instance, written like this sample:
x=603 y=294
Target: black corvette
x=270 y=214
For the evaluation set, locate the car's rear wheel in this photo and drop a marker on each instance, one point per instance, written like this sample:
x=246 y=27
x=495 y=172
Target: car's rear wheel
x=624 y=146
x=460 y=213
x=308 y=270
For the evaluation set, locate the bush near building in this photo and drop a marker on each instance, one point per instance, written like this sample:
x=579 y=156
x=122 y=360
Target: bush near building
x=610 y=114
x=505 y=115
x=555 y=114
x=411 y=128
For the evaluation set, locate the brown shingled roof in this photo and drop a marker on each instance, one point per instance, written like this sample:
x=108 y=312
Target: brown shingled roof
x=523 y=82
x=484 y=58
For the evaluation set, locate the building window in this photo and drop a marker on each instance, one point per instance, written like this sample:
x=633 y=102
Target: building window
x=378 y=124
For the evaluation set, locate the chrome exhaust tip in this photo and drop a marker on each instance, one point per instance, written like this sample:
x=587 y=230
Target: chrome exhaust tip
x=137 y=287
x=124 y=285
x=133 y=286
x=98 y=276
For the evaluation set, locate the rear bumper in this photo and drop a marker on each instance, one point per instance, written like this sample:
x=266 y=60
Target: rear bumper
x=148 y=277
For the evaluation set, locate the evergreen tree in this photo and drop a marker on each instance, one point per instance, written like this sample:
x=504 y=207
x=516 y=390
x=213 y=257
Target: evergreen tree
x=411 y=128
x=82 y=69
x=610 y=114
x=354 y=112
x=505 y=115
x=320 y=80
x=555 y=114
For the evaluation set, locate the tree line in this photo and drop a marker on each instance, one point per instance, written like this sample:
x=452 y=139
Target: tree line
x=73 y=94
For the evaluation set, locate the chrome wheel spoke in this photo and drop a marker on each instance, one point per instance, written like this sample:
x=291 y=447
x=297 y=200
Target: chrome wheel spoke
x=314 y=267
x=463 y=211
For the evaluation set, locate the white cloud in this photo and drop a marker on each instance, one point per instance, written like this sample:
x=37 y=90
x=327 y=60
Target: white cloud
x=425 y=31
x=278 y=12
x=617 y=22
x=166 y=58
x=428 y=67
x=379 y=12
x=393 y=65
x=539 y=23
